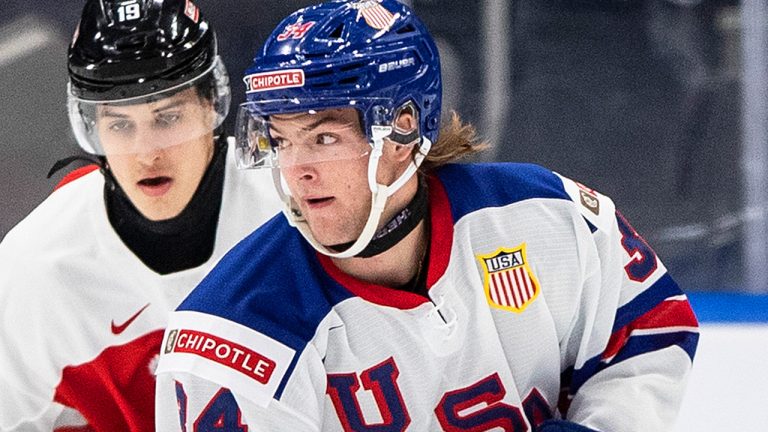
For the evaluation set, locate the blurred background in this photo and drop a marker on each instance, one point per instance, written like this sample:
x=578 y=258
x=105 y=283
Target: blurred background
x=660 y=104
x=652 y=102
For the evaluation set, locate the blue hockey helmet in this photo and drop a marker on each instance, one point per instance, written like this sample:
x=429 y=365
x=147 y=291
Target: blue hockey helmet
x=372 y=55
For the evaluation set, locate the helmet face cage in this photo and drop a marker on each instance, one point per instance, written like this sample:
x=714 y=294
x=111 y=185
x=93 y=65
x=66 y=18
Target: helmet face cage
x=199 y=116
x=374 y=55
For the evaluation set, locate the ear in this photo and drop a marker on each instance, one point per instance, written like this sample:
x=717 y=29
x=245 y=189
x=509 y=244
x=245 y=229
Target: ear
x=405 y=123
x=405 y=134
x=399 y=152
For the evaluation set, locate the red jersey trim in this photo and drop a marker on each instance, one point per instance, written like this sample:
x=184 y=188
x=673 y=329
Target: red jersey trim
x=441 y=239
x=76 y=174
x=669 y=314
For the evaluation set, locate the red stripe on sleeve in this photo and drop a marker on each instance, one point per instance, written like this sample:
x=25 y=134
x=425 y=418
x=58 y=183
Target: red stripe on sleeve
x=669 y=313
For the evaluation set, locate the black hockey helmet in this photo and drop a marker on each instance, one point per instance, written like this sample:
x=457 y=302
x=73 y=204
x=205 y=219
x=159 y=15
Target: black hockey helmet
x=128 y=48
x=135 y=51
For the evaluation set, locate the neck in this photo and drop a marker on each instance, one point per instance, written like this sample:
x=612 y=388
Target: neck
x=397 y=265
x=188 y=239
x=393 y=268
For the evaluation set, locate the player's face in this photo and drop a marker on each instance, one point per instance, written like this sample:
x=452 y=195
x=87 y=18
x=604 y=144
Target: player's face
x=324 y=159
x=158 y=151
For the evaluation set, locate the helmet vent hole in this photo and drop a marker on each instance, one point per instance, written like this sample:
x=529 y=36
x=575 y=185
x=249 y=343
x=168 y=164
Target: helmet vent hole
x=319 y=74
x=131 y=42
x=337 y=32
x=350 y=80
x=351 y=66
x=408 y=28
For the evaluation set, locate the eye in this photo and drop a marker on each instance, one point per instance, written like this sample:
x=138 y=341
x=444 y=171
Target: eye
x=327 y=139
x=280 y=142
x=168 y=119
x=121 y=126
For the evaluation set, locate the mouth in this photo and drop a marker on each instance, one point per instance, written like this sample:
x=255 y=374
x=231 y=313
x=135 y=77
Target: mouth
x=316 y=203
x=155 y=186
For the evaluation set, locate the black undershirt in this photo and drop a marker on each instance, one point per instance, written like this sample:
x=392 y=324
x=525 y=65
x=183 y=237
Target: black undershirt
x=418 y=283
x=183 y=242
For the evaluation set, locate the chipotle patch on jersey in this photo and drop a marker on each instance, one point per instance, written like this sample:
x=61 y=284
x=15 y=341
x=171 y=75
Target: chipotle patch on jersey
x=222 y=351
x=251 y=363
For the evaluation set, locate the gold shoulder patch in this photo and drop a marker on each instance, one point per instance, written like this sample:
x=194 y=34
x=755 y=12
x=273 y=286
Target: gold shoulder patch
x=508 y=280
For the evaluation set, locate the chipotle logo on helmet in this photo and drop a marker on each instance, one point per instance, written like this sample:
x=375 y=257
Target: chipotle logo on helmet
x=274 y=80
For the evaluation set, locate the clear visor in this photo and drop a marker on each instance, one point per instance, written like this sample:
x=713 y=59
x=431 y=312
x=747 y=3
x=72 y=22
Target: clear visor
x=301 y=137
x=174 y=116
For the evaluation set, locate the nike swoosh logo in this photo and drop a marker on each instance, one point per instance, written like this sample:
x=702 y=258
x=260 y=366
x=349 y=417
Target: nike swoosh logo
x=117 y=329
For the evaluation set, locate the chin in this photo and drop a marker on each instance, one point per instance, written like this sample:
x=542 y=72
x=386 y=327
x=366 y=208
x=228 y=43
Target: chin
x=159 y=214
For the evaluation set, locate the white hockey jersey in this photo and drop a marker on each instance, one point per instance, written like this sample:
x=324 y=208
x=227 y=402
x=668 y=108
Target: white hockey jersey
x=543 y=302
x=82 y=317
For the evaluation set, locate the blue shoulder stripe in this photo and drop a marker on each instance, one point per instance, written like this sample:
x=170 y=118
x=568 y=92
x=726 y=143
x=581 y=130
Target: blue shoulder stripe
x=471 y=187
x=636 y=345
x=272 y=283
x=662 y=289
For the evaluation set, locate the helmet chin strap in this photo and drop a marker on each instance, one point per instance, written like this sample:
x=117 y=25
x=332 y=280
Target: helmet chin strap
x=379 y=195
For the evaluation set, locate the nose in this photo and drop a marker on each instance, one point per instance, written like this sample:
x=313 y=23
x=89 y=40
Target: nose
x=303 y=172
x=147 y=145
x=148 y=156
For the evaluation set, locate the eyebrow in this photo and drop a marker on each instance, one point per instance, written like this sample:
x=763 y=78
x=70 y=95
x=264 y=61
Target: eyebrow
x=170 y=105
x=108 y=113
x=316 y=123
x=173 y=104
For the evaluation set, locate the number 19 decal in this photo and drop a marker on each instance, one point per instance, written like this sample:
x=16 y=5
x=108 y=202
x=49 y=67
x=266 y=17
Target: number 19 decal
x=128 y=11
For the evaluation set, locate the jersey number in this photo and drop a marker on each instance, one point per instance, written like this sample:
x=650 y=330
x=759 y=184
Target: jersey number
x=295 y=31
x=221 y=413
x=643 y=260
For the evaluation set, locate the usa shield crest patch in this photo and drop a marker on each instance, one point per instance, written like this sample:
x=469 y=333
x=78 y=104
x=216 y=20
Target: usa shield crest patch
x=375 y=15
x=508 y=279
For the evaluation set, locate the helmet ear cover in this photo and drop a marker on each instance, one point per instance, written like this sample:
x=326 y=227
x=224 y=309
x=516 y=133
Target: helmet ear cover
x=402 y=136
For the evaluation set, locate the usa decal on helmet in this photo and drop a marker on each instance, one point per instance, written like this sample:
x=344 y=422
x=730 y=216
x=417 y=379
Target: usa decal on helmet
x=373 y=56
x=375 y=15
x=274 y=80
